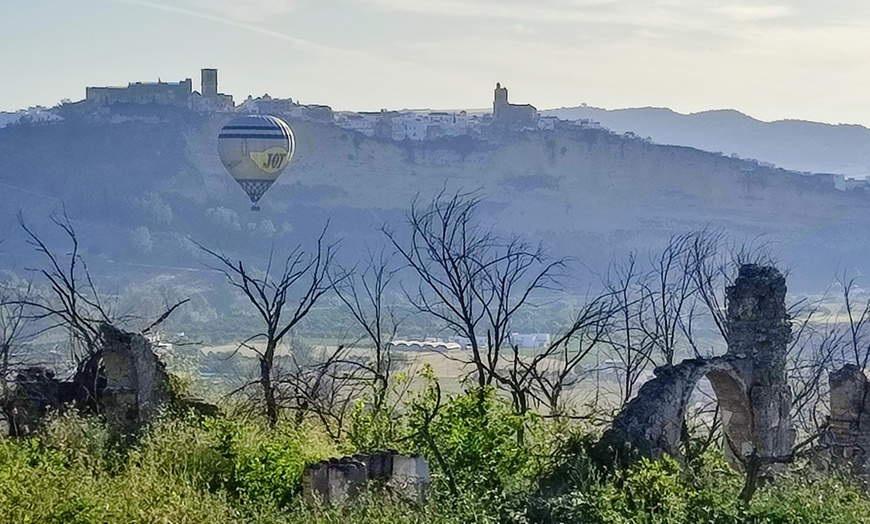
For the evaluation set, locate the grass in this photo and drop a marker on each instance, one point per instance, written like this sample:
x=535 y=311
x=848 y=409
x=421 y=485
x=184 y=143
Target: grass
x=185 y=469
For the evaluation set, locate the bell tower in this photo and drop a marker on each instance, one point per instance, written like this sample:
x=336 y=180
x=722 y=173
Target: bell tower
x=500 y=100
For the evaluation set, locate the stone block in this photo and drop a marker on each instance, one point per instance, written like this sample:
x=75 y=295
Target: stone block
x=345 y=481
x=315 y=484
x=410 y=477
x=338 y=482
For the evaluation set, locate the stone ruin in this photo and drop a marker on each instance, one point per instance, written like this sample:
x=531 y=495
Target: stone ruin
x=749 y=381
x=751 y=386
x=34 y=392
x=136 y=382
x=338 y=482
x=124 y=379
x=848 y=433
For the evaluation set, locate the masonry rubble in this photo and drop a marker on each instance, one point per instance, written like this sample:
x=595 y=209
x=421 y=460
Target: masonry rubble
x=338 y=481
x=124 y=379
x=749 y=381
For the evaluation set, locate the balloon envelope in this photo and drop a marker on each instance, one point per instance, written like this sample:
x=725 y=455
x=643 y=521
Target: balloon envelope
x=256 y=149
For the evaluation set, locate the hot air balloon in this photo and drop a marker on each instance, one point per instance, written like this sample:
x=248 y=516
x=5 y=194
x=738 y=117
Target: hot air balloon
x=255 y=149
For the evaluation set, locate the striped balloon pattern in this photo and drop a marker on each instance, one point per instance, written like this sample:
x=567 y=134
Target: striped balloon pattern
x=256 y=149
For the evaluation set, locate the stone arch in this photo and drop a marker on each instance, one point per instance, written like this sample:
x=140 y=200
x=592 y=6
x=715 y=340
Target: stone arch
x=749 y=381
x=735 y=409
x=651 y=424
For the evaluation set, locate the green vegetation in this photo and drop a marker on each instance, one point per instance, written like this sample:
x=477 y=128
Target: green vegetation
x=189 y=469
x=505 y=444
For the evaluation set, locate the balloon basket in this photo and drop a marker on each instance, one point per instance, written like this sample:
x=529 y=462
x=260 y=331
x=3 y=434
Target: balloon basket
x=255 y=207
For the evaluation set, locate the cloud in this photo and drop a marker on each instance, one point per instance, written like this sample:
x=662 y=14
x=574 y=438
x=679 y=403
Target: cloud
x=521 y=29
x=246 y=11
x=754 y=13
x=672 y=15
x=259 y=29
x=541 y=11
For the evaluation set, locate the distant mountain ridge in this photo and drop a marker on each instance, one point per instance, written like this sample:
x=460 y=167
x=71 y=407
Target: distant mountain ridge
x=796 y=145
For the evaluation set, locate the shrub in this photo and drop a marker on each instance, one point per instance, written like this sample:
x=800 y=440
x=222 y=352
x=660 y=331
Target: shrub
x=810 y=498
x=473 y=438
x=272 y=468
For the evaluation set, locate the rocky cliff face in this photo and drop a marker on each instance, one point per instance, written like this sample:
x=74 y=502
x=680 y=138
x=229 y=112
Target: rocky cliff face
x=586 y=193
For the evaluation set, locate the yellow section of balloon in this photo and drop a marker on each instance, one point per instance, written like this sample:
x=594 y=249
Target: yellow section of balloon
x=270 y=161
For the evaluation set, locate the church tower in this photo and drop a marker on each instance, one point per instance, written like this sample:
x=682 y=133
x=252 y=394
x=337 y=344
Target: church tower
x=500 y=100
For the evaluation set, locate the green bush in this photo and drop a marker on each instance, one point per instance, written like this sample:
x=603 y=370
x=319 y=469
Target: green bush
x=246 y=459
x=474 y=440
x=272 y=469
x=373 y=430
x=810 y=498
x=648 y=492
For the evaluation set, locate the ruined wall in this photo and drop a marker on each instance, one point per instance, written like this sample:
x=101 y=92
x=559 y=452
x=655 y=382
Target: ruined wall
x=35 y=392
x=749 y=381
x=848 y=435
x=124 y=380
x=136 y=380
x=338 y=482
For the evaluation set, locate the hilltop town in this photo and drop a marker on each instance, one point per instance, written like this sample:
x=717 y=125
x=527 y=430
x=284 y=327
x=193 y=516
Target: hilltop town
x=391 y=124
x=101 y=103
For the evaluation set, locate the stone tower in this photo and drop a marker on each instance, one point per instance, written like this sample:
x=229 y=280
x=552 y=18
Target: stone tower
x=209 y=83
x=759 y=331
x=500 y=101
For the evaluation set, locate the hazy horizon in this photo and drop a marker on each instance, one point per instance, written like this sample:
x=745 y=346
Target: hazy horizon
x=772 y=61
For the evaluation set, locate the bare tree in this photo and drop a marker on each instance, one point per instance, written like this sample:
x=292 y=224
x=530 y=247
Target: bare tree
x=15 y=332
x=811 y=357
x=857 y=348
x=669 y=291
x=281 y=299
x=67 y=299
x=72 y=301
x=364 y=295
x=320 y=384
x=627 y=343
x=469 y=278
x=710 y=274
x=558 y=368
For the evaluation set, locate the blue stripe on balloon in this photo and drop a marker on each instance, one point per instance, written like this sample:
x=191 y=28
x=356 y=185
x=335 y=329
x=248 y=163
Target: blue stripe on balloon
x=249 y=135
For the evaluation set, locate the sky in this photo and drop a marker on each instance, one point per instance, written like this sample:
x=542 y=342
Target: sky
x=802 y=59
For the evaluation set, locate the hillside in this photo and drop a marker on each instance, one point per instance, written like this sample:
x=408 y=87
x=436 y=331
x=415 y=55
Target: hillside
x=141 y=181
x=790 y=144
